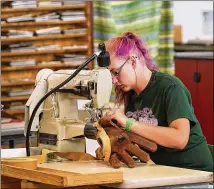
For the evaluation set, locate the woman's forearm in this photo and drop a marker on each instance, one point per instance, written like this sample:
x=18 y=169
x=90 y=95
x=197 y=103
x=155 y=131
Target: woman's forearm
x=164 y=136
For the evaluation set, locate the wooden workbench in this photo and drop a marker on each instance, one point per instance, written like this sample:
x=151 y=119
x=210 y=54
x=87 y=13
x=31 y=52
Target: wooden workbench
x=94 y=173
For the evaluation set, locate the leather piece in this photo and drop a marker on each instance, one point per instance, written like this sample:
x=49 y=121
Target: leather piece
x=142 y=142
x=75 y=156
x=135 y=138
x=122 y=148
x=71 y=156
x=103 y=139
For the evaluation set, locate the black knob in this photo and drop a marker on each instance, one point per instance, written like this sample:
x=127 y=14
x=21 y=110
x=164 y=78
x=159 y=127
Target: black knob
x=103 y=59
x=90 y=131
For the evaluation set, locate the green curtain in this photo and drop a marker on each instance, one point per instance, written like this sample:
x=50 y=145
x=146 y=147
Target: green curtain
x=152 y=20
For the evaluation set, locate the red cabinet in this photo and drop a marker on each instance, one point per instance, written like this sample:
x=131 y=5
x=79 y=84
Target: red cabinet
x=197 y=76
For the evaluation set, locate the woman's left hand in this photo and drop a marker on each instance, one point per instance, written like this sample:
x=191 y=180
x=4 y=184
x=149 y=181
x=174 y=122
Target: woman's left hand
x=117 y=115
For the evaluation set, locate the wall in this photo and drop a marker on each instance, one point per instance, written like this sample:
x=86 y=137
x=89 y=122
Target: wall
x=189 y=15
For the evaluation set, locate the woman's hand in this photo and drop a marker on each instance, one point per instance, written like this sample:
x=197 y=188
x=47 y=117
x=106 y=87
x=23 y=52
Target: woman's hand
x=116 y=115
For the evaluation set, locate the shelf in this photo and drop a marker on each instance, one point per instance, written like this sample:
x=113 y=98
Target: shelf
x=14 y=98
x=192 y=47
x=13 y=112
x=11 y=84
x=45 y=37
x=37 y=67
x=70 y=7
x=4 y=54
x=80 y=42
x=59 y=22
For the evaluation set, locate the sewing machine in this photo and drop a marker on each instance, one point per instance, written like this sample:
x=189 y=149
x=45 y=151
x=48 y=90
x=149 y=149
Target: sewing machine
x=59 y=122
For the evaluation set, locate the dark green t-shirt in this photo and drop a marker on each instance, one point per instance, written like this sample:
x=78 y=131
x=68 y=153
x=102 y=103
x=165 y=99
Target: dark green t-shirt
x=164 y=100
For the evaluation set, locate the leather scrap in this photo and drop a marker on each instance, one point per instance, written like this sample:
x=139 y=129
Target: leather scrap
x=72 y=156
x=104 y=140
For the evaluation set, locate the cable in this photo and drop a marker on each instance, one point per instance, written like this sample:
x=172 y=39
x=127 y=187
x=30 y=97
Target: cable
x=48 y=94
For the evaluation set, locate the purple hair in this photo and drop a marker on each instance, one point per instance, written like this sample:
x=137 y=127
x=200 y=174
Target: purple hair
x=131 y=42
x=122 y=46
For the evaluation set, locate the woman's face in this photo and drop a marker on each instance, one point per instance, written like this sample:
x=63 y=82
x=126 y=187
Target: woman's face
x=122 y=71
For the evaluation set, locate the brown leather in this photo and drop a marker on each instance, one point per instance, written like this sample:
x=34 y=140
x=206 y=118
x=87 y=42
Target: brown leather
x=142 y=142
x=103 y=138
x=75 y=156
x=122 y=148
x=135 y=138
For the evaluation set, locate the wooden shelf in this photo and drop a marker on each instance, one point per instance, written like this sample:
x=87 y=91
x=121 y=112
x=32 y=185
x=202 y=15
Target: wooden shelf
x=13 y=112
x=16 y=73
x=4 y=54
x=18 y=83
x=192 y=47
x=70 y=7
x=60 y=22
x=37 y=67
x=45 y=37
x=14 y=98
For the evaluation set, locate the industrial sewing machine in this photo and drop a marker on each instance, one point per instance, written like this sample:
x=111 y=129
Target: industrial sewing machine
x=59 y=122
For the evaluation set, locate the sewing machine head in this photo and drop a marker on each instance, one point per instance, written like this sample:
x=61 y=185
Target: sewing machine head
x=92 y=85
x=59 y=122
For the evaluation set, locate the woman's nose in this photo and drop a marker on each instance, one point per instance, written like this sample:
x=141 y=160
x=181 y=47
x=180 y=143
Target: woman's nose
x=114 y=80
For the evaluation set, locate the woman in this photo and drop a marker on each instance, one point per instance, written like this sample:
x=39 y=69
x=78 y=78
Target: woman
x=157 y=106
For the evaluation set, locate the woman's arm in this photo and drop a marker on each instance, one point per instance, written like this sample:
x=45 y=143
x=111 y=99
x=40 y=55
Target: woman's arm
x=174 y=136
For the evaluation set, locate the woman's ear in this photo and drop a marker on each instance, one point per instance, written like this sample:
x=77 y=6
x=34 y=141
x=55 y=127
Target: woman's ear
x=133 y=61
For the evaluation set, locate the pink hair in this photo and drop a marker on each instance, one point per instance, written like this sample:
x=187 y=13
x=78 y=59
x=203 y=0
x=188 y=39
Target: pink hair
x=122 y=46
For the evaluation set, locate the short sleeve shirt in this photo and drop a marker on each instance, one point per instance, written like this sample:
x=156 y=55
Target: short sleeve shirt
x=164 y=100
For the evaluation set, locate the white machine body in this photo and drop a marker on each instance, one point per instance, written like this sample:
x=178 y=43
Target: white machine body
x=59 y=122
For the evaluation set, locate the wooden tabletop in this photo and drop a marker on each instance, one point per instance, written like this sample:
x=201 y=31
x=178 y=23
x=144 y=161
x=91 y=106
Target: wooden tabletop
x=94 y=172
x=141 y=176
